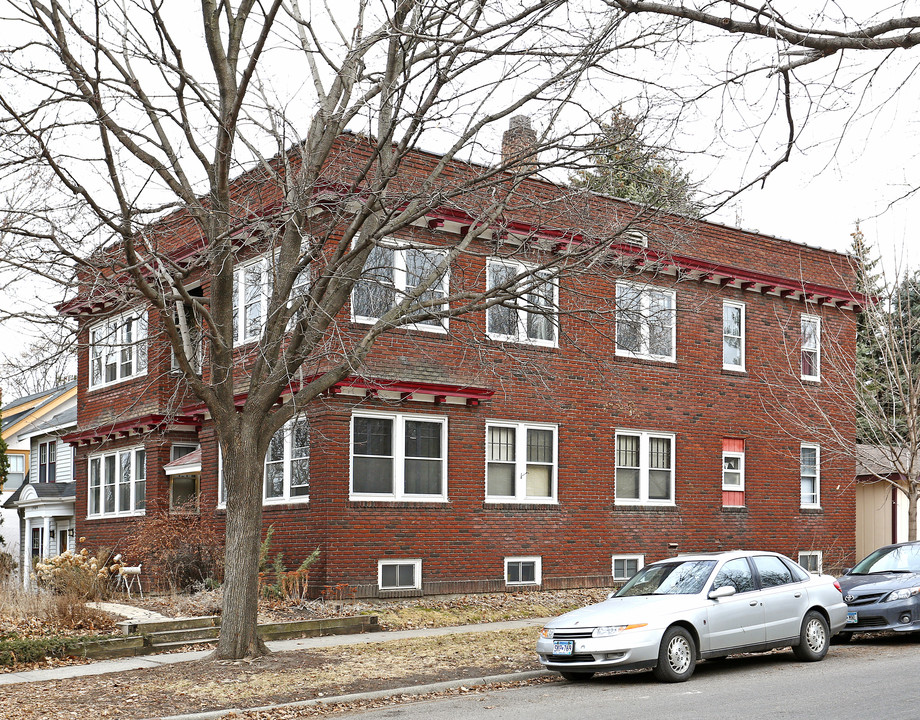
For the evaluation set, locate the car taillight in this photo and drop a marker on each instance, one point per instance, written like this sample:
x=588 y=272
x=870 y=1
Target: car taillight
x=837 y=585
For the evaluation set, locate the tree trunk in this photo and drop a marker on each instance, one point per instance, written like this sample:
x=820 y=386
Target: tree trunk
x=912 y=511
x=240 y=607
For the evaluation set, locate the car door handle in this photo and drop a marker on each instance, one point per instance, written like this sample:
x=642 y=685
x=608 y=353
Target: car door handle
x=798 y=594
x=753 y=603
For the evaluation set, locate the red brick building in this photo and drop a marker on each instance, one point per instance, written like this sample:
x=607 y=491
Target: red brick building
x=512 y=447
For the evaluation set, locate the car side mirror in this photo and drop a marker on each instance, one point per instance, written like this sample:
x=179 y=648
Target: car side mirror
x=722 y=592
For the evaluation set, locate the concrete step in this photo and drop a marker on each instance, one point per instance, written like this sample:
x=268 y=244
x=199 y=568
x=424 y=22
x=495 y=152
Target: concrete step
x=145 y=627
x=185 y=636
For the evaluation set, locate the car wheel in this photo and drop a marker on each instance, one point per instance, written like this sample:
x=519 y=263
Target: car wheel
x=814 y=639
x=676 y=656
x=576 y=676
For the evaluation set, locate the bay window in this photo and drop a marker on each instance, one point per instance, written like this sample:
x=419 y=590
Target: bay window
x=117 y=483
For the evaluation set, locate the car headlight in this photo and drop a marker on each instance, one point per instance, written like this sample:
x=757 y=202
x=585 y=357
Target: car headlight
x=547 y=633
x=902 y=594
x=608 y=630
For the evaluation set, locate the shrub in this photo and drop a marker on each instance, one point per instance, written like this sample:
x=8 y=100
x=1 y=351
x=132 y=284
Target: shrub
x=177 y=547
x=288 y=584
x=8 y=565
x=79 y=575
x=15 y=649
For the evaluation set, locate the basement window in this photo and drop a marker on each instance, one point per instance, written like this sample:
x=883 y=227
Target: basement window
x=399 y=574
x=523 y=571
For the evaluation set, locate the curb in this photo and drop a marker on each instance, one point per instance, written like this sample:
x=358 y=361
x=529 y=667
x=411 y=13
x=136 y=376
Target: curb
x=375 y=695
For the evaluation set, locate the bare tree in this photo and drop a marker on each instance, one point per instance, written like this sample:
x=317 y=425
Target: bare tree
x=46 y=363
x=877 y=385
x=138 y=131
x=821 y=57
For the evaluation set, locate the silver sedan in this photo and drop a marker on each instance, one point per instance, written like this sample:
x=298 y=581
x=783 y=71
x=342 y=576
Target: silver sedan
x=674 y=612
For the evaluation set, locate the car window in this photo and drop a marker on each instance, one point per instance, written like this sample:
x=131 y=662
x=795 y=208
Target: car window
x=904 y=558
x=798 y=572
x=772 y=571
x=669 y=578
x=736 y=573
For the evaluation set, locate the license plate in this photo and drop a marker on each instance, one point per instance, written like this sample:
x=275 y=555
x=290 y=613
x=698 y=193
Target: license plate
x=563 y=647
x=851 y=618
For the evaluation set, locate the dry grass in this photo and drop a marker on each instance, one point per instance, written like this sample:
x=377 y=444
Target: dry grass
x=43 y=613
x=381 y=661
x=398 y=614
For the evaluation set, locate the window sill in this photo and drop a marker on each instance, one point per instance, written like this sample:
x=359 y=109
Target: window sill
x=811 y=510
x=644 y=508
x=117 y=516
x=646 y=359
x=811 y=381
x=734 y=509
x=735 y=372
x=283 y=502
x=114 y=383
x=518 y=342
x=426 y=329
x=538 y=502
x=406 y=499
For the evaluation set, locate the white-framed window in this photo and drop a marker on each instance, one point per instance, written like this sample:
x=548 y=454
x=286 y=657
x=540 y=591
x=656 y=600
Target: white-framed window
x=287 y=463
x=184 y=488
x=523 y=570
x=810 y=473
x=399 y=574
x=390 y=274
x=644 y=468
x=811 y=347
x=252 y=288
x=521 y=462
x=190 y=328
x=287 y=466
x=395 y=456
x=47 y=461
x=16 y=472
x=532 y=317
x=117 y=483
x=811 y=560
x=118 y=349
x=624 y=567
x=732 y=470
x=646 y=326
x=733 y=335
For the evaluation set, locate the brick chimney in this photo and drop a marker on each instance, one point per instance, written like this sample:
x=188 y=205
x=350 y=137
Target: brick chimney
x=516 y=141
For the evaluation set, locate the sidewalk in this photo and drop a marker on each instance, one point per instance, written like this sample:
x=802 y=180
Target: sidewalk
x=103 y=667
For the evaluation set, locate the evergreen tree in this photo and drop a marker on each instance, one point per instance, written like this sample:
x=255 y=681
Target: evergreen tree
x=868 y=347
x=624 y=164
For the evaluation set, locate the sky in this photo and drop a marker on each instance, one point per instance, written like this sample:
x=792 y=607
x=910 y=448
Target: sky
x=831 y=182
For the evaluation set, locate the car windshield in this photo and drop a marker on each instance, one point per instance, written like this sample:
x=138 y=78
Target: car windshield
x=669 y=578
x=903 y=558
